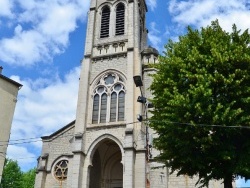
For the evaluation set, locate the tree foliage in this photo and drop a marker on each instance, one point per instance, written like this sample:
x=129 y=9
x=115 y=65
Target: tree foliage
x=202 y=104
x=13 y=177
x=28 y=179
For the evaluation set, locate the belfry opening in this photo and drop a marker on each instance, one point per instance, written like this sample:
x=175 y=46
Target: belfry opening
x=106 y=170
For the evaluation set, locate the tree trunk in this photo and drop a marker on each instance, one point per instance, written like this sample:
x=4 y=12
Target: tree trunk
x=228 y=182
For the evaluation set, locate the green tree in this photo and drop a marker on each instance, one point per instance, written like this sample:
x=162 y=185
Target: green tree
x=12 y=175
x=28 y=179
x=202 y=105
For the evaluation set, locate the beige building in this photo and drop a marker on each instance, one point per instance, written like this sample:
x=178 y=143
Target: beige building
x=8 y=98
x=106 y=146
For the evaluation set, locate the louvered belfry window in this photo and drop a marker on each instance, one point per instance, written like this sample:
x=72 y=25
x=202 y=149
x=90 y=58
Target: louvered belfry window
x=120 y=19
x=105 y=22
x=109 y=100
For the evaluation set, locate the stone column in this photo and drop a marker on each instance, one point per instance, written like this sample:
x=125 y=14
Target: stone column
x=41 y=171
x=140 y=169
x=128 y=174
x=77 y=170
x=86 y=171
x=78 y=161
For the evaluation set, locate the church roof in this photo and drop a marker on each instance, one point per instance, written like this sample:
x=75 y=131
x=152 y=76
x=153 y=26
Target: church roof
x=59 y=131
x=8 y=79
x=150 y=50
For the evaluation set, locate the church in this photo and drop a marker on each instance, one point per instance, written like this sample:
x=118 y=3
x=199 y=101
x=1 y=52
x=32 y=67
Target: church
x=109 y=144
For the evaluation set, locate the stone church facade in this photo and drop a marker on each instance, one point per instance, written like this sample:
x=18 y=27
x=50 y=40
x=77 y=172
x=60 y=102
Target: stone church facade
x=106 y=146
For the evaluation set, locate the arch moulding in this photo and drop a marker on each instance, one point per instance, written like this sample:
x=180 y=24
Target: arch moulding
x=94 y=145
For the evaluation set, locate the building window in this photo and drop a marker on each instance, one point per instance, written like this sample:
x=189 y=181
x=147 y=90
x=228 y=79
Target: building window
x=163 y=178
x=109 y=100
x=105 y=19
x=120 y=19
x=61 y=170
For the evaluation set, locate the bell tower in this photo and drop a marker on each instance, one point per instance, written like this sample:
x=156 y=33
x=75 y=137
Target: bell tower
x=116 y=35
x=109 y=142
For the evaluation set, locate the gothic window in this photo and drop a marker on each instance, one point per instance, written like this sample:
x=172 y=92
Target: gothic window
x=95 y=109
x=120 y=19
x=105 y=19
x=61 y=170
x=109 y=100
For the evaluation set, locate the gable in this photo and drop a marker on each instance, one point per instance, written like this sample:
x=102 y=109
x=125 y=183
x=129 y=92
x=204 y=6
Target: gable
x=59 y=132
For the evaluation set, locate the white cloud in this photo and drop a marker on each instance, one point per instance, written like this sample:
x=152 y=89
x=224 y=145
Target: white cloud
x=25 y=48
x=41 y=29
x=43 y=106
x=152 y=4
x=154 y=36
x=200 y=13
x=25 y=158
x=5 y=8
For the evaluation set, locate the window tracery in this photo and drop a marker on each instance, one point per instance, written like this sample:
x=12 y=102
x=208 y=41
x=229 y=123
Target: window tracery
x=109 y=99
x=61 y=170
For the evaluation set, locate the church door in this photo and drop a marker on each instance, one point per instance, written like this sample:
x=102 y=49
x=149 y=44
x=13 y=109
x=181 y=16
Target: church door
x=107 y=169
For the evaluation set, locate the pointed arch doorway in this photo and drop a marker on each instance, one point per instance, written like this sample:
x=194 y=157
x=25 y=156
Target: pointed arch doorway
x=107 y=169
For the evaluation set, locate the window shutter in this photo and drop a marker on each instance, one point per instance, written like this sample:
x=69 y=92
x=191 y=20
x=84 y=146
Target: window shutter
x=105 y=22
x=120 y=19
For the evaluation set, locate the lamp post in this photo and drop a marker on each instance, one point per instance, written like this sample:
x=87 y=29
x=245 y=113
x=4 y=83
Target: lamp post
x=143 y=100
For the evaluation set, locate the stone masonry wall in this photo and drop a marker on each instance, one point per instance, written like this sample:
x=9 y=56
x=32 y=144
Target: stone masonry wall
x=94 y=133
x=117 y=63
x=58 y=148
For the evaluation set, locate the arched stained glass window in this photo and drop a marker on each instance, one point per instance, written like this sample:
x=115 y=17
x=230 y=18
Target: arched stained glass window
x=95 y=109
x=113 y=105
x=121 y=106
x=109 y=99
x=103 y=112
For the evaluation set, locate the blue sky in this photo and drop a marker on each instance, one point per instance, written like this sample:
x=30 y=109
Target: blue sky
x=42 y=44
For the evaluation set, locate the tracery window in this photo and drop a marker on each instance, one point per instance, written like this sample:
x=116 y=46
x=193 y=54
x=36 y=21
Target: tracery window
x=105 y=20
x=120 y=19
x=109 y=99
x=61 y=170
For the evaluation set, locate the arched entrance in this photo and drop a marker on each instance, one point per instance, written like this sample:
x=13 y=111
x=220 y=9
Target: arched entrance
x=107 y=169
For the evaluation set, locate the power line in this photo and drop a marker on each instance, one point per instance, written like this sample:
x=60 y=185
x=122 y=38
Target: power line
x=38 y=139
x=202 y=125
x=22 y=158
x=18 y=143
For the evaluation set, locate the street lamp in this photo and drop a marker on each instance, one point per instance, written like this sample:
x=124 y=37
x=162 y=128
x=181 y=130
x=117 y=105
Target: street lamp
x=138 y=81
x=143 y=100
